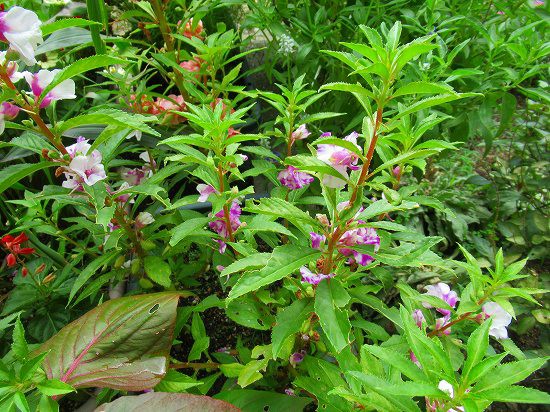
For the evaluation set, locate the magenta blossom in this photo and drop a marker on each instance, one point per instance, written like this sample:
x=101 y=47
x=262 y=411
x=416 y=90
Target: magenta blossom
x=441 y=323
x=294 y=179
x=7 y=111
x=300 y=133
x=219 y=225
x=297 y=357
x=39 y=81
x=313 y=278
x=359 y=236
x=205 y=191
x=316 y=240
x=341 y=159
x=443 y=292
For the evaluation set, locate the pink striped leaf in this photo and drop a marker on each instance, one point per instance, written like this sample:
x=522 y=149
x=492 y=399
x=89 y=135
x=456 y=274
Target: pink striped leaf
x=122 y=344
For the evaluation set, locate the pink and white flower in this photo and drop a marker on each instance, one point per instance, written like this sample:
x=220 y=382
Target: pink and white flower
x=21 y=29
x=359 y=236
x=219 y=225
x=418 y=317
x=500 y=319
x=39 y=81
x=443 y=292
x=300 y=133
x=7 y=111
x=340 y=158
x=144 y=219
x=313 y=278
x=316 y=240
x=85 y=167
x=293 y=178
x=205 y=191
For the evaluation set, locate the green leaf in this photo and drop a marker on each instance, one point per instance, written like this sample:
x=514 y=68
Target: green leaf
x=253 y=261
x=477 y=346
x=432 y=101
x=333 y=320
x=508 y=374
x=64 y=23
x=281 y=208
x=284 y=261
x=253 y=400
x=30 y=367
x=174 y=381
x=312 y=164
x=160 y=401
x=157 y=270
x=402 y=388
x=14 y=173
x=395 y=359
x=21 y=401
x=112 y=117
x=187 y=228
x=19 y=344
x=78 y=67
x=289 y=322
x=382 y=206
x=516 y=394
x=423 y=88
x=90 y=270
x=251 y=372
x=340 y=142
x=52 y=387
x=122 y=344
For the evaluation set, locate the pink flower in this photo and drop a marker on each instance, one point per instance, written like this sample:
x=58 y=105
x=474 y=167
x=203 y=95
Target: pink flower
x=440 y=323
x=39 y=81
x=339 y=158
x=193 y=66
x=189 y=32
x=538 y=3
x=294 y=179
x=313 y=278
x=21 y=29
x=359 y=236
x=88 y=168
x=443 y=292
x=500 y=319
x=414 y=359
x=300 y=133
x=219 y=225
x=84 y=167
x=418 y=317
x=316 y=240
x=168 y=106
x=297 y=357
x=396 y=171
x=7 y=111
x=205 y=191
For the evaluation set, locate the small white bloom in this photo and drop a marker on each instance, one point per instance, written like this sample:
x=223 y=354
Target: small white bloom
x=144 y=219
x=88 y=168
x=287 y=45
x=21 y=29
x=501 y=319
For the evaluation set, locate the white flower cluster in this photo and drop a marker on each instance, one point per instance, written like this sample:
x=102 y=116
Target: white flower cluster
x=287 y=45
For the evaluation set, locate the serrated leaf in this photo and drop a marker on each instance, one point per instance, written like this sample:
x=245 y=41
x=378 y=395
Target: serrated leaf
x=333 y=320
x=289 y=321
x=65 y=23
x=52 y=387
x=14 y=173
x=122 y=344
x=187 y=228
x=157 y=270
x=284 y=261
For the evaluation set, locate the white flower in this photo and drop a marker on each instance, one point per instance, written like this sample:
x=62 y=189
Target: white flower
x=88 y=168
x=287 y=45
x=144 y=219
x=39 y=81
x=135 y=133
x=21 y=29
x=81 y=147
x=501 y=319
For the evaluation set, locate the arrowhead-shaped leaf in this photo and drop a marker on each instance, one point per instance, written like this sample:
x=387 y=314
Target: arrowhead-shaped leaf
x=167 y=402
x=122 y=344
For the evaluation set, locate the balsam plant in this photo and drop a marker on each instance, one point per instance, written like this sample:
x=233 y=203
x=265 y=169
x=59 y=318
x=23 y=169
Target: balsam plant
x=120 y=209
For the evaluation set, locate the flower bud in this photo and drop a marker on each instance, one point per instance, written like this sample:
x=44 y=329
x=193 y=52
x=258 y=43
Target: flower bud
x=323 y=219
x=148 y=245
x=396 y=171
x=53 y=154
x=48 y=279
x=11 y=261
x=145 y=283
x=135 y=266
x=24 y=271
x=144 y=219
x=119 y=262
x=40 y=269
